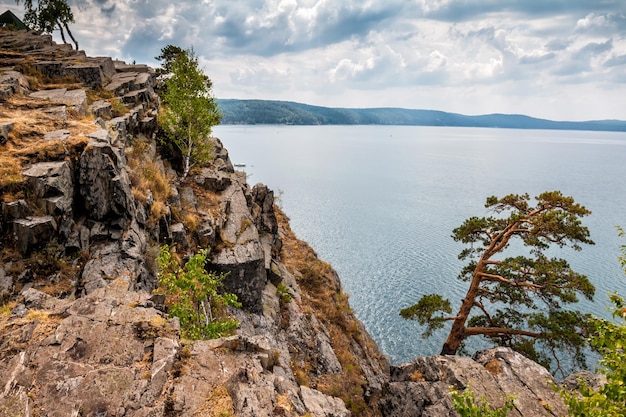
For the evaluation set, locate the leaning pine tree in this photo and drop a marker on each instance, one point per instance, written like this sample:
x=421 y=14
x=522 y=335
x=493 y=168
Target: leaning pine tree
x=189 y=110
x=517 y=301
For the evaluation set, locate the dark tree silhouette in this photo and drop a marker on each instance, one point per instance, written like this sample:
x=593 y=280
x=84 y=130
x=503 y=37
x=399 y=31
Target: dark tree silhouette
x=47 y=15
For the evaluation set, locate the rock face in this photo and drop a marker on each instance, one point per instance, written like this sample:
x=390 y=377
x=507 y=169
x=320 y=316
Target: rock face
x=85 y=336
x=421 y=388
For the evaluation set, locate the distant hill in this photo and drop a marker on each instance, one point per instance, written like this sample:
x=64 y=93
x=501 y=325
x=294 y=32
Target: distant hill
x=291 y=113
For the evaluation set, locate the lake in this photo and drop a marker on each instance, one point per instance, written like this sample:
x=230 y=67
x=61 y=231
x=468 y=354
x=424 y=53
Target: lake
x=380 y=202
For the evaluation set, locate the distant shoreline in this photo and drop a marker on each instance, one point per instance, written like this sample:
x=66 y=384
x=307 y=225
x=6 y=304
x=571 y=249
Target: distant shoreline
x=273 y=112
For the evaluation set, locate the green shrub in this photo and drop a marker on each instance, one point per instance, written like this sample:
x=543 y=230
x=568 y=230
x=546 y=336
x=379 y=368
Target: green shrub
x=193 y=296
x=282 y=291
x=466 y=405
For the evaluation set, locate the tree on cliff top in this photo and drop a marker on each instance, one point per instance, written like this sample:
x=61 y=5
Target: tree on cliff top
x=47 y=15
x=189 y=110
x=517 y=301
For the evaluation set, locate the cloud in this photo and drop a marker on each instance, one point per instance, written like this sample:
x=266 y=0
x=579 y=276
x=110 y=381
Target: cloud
x=494 y=55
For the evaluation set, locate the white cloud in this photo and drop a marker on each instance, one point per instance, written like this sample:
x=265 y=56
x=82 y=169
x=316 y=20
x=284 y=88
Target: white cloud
x=457 y=55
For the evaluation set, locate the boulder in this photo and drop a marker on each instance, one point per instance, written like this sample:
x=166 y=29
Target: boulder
x=75 y=99
x=52 y=182
x=12 y=82
x=422 y=387
x=213 y=180
x=104 y=183
x=88 y=74
x=5 y=129
x=33 y=232
x=57 y=135
x=101 y=108
x=321 y=405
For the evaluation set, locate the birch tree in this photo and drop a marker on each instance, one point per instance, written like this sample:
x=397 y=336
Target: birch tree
x=189 y=110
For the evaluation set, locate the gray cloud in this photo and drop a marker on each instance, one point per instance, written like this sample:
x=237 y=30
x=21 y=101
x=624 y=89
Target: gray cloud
x=460 y=55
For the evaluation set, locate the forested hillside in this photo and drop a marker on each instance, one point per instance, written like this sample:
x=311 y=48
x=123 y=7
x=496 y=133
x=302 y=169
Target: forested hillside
x=291 y=113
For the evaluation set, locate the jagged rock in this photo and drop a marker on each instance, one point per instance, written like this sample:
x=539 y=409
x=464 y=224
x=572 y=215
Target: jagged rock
x=308 y=336
x=242 y=256
x=12 y=82
x=15 y=210
x=52 y=182
x=104 y=183
x=320 y=405
x=179 y=235
x=594 y=381
x=6 y=283
x=213 y=180
x=222 y=160
x=52 y=69
x=101 y=108
x=36 y=299
x=75 y=99
x=5 y=129
x=33 y=232
x=421 y=388
x=57 y=111
x=88 y=74
x=57 y=135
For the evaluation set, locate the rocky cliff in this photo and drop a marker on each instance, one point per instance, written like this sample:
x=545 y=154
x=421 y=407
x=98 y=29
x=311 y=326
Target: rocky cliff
x=86 y=202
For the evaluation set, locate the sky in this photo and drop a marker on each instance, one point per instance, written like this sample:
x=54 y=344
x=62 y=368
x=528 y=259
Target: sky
x=554 y=59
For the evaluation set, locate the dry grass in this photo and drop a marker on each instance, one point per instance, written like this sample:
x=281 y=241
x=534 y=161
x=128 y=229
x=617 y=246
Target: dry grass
x=148 y=179
x=218 y=404
x=26 y=144
x=12 y=331
x=322 y=295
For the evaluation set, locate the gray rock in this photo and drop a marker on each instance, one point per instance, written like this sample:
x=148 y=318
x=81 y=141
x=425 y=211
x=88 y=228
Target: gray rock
x=5 y=129
x=12 y=82
x=6 y=282
x=53 y=183
x=75 y=99
x=213 y=180
x=242 y=256
x=179 y=235
x=104 y=183
x=88 y=74
x=35 y=299
x=57 y=135
x=421 y=388
x=33 y=232
x=15 y=210
x=57 y=111
x=321 y=405
x=101 y=108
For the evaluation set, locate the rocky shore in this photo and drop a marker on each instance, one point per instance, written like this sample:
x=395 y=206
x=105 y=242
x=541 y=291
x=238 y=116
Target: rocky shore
x=87 y=199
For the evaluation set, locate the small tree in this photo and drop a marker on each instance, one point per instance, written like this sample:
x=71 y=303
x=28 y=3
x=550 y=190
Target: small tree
x=516 y=301
x=48 y=15
x=189 y=110
x=193 y=296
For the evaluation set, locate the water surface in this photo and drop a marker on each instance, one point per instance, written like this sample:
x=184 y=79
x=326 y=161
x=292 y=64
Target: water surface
x=380 y=202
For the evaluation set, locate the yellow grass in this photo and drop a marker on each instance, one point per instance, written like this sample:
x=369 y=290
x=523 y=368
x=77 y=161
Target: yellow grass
x=322 y=296
x=26 y=144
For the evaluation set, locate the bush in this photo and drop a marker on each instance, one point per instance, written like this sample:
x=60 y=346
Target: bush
x=193 y=297
x=466 y=405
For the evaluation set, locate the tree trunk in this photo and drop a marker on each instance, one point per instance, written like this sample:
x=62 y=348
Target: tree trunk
x=457 y=332
x=62 y=32
x=69 y=32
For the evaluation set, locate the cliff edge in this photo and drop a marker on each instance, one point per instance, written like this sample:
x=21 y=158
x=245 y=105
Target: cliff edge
x=86 y=202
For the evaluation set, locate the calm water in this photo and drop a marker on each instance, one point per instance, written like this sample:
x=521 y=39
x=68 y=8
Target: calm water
x=379 y=203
